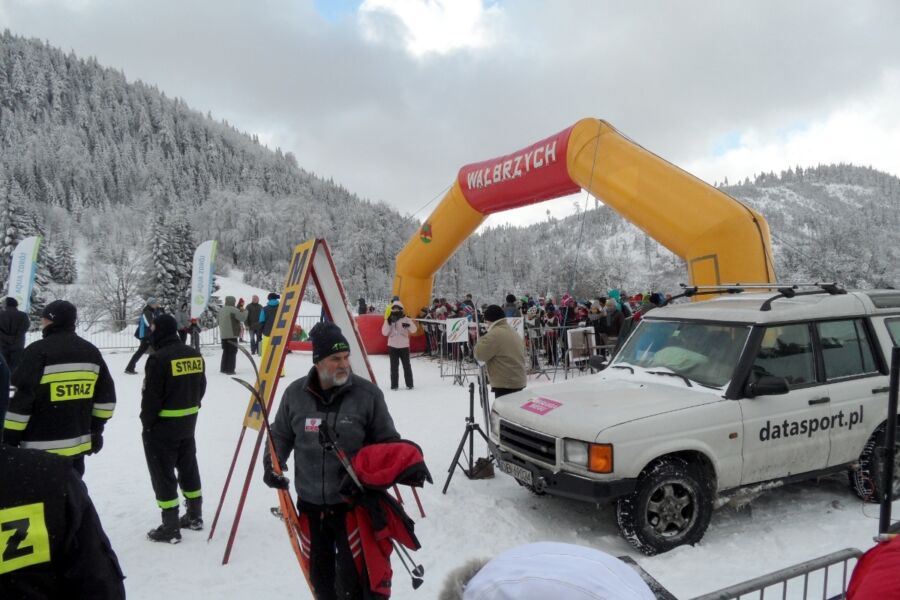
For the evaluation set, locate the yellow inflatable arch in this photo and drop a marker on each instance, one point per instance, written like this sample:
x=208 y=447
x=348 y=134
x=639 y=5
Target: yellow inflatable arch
x=721 y=239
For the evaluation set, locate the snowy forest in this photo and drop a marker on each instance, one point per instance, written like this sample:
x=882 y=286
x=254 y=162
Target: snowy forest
x=124 y=182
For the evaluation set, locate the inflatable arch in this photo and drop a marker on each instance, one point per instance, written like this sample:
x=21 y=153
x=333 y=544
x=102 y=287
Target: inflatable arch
x=721 y=239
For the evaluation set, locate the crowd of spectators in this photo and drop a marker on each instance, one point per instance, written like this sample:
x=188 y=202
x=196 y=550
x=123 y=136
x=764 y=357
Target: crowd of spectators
x=609 y=315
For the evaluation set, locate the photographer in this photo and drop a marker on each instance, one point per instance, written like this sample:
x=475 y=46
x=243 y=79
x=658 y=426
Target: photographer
x=397 y=327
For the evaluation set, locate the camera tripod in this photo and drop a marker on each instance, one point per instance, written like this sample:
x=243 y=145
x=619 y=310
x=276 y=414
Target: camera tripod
x=469 y=435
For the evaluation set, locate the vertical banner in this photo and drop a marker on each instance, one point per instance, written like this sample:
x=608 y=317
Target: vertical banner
x=288 y=307
x=202 y=277
x=457 y=331
x=22 y=270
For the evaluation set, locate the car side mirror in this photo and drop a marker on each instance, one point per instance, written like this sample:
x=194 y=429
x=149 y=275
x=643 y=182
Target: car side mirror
x=766 y=385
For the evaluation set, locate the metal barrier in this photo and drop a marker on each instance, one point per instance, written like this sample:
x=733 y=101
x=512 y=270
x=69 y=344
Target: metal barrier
x=548 y=350
x=564 y=348
x=102 y=335
x=454 y=359
x=802 y=581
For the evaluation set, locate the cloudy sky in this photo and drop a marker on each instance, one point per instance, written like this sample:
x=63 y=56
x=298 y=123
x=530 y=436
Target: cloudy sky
x=391 y=97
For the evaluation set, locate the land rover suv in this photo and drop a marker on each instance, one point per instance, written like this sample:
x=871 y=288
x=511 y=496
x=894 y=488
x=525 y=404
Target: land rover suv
x=708 y=399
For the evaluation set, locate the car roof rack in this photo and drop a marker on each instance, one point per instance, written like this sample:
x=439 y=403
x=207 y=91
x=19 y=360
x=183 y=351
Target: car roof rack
x=785 y=290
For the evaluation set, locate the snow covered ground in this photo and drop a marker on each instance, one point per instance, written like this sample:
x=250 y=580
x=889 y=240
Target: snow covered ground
x=475 y=518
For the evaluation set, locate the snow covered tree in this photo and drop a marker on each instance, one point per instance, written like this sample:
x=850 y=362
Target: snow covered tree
x=13 y=224
x=164 y=274
x=63 y=268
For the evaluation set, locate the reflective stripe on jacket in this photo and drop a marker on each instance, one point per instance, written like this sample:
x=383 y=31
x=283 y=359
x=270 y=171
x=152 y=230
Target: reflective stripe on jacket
x=63 y=392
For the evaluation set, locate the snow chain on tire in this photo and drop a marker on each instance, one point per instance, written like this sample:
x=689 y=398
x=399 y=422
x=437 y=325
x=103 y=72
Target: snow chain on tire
x=671 y=506
x=866 y=481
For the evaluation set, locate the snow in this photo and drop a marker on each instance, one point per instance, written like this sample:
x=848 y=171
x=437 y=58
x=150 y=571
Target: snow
x=477 y=518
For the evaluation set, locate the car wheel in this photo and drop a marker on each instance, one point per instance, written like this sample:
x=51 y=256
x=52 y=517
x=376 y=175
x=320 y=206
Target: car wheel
x=866 y=481
x=670 y=507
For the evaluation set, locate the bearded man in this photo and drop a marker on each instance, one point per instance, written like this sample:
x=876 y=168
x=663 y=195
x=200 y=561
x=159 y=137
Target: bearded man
x=355 y=410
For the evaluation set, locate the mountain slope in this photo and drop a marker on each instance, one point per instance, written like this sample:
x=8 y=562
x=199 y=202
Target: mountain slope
x=89 y=159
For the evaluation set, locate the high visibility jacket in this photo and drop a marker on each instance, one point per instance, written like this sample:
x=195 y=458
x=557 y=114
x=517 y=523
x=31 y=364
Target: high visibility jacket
x=63 y=392
x=174 y=385
x=51 y=542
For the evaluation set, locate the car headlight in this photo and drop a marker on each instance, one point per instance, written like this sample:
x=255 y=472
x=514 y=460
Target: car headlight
x=495 y=424
x=593 y=457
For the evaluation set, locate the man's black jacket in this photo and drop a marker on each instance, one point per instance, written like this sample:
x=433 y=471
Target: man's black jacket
x=13 y=327
x=174 y=384
x=55 y=547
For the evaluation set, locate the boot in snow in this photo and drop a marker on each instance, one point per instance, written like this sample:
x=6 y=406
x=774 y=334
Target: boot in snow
x=193 y=518
x=169 y=530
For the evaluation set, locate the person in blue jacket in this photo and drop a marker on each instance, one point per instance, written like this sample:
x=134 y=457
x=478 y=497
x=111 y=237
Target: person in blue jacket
x=144 y=328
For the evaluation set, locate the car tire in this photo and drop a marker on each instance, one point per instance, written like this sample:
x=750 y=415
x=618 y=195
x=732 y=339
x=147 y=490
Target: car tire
x=866 y=480
x=671 y=506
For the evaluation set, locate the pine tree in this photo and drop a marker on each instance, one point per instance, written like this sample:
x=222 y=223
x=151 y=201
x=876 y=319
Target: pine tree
x=164 y=275
x=13 y=219
x=63 y=269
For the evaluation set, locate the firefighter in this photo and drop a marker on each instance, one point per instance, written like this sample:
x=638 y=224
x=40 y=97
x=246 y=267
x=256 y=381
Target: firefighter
x=64 y=392
x=174 y=384
x=53 y=543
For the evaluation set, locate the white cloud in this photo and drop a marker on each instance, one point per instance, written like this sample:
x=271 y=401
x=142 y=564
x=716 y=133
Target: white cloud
x=864 y=132
x=728 y=89
x=430 y=26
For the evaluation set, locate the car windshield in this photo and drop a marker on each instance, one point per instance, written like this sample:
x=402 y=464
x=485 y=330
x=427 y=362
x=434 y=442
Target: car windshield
x=706 y=353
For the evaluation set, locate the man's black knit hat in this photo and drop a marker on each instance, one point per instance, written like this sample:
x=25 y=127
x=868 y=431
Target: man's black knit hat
x=62 y=313
x=11 y=302
x=273 y=296
x=165 y=325
x=493 y=313
x=327 y=339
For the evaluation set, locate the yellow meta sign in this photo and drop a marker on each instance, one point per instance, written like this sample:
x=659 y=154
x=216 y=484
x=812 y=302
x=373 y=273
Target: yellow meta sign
x=187 y=366
x=273 y=357
x=23 y=537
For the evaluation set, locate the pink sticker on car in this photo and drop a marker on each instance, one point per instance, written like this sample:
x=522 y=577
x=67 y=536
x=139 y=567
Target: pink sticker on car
x=540 y=405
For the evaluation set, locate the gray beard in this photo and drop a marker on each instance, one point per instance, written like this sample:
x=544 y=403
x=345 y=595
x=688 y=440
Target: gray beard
x=328 y=381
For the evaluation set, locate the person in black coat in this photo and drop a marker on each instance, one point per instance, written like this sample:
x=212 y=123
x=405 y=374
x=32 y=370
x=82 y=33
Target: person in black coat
x=253 y=324
x=174 y=385
x=4 y=392
x=54 y=545
x=14 y=325
x=64 y=392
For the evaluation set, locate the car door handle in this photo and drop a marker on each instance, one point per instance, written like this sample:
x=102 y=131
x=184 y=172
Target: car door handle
x=822 y=400
x=881 y=390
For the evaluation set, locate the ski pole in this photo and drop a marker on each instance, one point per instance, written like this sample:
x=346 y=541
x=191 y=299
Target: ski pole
x=418 y=570
x=416 y=579
x=328 y=441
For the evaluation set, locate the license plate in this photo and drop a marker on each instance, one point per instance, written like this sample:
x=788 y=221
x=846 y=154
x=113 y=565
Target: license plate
x=520 y=473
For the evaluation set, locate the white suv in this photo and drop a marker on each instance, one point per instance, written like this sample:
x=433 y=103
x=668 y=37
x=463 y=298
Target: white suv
x=707 y=399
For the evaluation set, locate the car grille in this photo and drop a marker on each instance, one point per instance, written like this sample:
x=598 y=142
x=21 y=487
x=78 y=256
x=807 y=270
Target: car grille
x=530 y=443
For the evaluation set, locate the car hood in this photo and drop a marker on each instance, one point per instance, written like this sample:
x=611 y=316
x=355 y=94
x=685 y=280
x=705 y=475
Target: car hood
x=584 y=407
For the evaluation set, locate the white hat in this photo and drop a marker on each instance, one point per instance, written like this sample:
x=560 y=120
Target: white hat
x=559 y=572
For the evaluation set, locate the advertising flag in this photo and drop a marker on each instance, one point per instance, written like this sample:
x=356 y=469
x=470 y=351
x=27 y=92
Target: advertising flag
x=22 y=270
x=202 y=277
